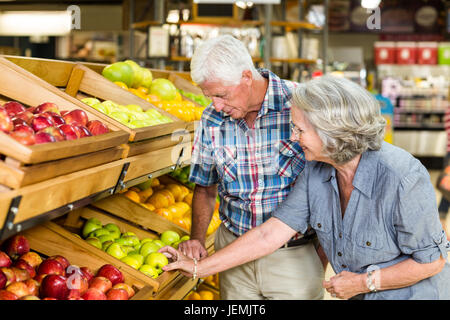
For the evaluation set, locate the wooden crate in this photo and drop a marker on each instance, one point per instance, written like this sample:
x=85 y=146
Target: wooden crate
x=74 y=223
x=55 y=193
x=47 y=240
x=26 y=88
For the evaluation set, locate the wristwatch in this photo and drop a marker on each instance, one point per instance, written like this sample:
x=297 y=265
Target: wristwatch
x=369 y=281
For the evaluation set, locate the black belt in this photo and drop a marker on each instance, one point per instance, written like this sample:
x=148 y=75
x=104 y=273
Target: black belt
x=308 y=238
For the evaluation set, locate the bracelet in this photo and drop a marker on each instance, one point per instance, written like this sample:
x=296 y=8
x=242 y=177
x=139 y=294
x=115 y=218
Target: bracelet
x=369 y=281
x=194 y=274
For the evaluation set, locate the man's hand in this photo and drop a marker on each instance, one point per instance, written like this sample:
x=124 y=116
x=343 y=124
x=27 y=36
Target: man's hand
x=345 y=285
x=193 y=249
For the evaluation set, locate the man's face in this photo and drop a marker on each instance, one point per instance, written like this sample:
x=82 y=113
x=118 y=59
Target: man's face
x=233 y=100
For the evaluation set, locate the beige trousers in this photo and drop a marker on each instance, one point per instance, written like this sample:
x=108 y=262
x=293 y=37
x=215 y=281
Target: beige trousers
x=294 y=273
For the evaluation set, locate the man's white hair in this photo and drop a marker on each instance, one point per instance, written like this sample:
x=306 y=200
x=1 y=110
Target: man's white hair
x=223 y=59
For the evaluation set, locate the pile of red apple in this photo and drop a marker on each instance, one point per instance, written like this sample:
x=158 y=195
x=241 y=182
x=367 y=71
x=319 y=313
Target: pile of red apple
x=46 y=123
x=24 y=275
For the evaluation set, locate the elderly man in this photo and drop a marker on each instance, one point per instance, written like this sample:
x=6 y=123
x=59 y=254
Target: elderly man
x=242 y=149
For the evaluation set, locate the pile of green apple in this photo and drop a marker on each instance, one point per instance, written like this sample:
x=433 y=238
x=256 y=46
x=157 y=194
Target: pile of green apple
x=140 y=254
x=182 y=175
x=198 y=98
x=132 y=115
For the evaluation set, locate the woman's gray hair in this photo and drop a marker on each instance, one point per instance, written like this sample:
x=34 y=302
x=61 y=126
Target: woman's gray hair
x=346 y=116
x=223 y=59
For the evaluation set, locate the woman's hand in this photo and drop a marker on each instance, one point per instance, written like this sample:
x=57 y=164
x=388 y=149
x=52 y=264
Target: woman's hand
x=180 y=262
x=346 y=285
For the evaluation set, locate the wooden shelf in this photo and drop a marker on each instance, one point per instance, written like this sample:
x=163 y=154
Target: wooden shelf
x=232 y=23
x=421 y=111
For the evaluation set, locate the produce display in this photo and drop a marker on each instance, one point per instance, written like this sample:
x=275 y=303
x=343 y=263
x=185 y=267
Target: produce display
x=141 y=254
x=46 y=123
x=160 y=92
x=198 y=98
x=25 y=275
x=171 y=200
x=206 y=292
x=132 y=115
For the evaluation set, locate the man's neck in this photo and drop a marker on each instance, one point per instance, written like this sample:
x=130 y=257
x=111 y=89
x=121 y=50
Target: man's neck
x=258 y=93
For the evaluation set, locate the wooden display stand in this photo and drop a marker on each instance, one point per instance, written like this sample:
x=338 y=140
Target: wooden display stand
x=75 y=221
x=12 y=170
x=49 y=239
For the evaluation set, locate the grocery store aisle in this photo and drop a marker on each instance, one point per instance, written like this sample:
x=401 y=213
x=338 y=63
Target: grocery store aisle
x=433 y=176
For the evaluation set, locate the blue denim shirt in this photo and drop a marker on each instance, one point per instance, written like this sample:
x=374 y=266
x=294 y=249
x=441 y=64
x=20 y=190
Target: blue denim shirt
x=391 y=216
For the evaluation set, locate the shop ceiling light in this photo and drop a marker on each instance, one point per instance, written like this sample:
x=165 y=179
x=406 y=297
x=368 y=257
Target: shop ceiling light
x=35 y=23
x=370 y=4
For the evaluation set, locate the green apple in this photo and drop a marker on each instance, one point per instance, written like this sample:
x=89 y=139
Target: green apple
x=131 y=262
x=147 y=78
x=157 y=260
x=95 y=242
x=90 y=225
x=100 y=107
x=169 y=237
x=90 y=101
x=185 y=237
x=134 y=107
x=138 y=257
x=149 y=271
x=131 y=240
x=153 y=113
x=116 y=251
x=113 y=230
x=148 y=248
x=176 y=243
x=159 y=243
x=122 y=117
x=99 y=232
x=138 y=75
x=127 y=249
x=145 y=185
x=128 y=233
x=165 y=119
x=110 y=106
x=106 y=237
x=106 y=244
x=145 y=240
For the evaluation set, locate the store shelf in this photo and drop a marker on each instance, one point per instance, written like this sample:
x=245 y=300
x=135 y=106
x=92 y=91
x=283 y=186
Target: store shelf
x=422 y=111
x=419 y=126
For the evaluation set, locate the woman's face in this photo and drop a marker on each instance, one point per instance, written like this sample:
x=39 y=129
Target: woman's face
x=305 y=134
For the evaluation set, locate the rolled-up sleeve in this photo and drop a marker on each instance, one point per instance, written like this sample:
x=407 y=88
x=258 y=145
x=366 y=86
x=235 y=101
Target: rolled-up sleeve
x=419 y=231
x=294 y=210
x=203 y=166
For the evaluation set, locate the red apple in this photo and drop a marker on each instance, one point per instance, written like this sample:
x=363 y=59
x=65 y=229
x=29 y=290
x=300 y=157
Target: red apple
x=40 y=277
x=32 y=258
x=20 y=289
x=49 y=298
x=101 y=283
x=6 y=295
x=51 y=266
x=69 y=131
x=112 y=273
x=78 y=282
x=40 y=122
x=54 y=286
x=64 y=112
x=87 y=273
x=3 y=280
x=117 y=294
x=76 y=117
x=21 y=275
x=16 y=246
x=33 y=286
x=13 y=108
x=83 y=131
x=22 y=264
x=5 y=260
x=55 y=132
x=26 y=116
x=93 y=294
x=47 y=107
x=74 y=294
x=46 y=115
x=24 y=136
x=97 y=127
x=10 y=275
x=44 y=137
x=19 y=122
x=126 y=287
x=57 y=119
x=6 y=124
x=30 y=297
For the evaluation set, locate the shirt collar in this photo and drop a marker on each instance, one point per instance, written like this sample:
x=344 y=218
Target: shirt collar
x=365 y=173
x=275 y=94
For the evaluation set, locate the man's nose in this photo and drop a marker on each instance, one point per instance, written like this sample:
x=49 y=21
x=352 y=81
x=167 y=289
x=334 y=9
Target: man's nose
x=218 y=104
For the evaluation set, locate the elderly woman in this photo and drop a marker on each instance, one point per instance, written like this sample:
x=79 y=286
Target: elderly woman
x=371 y=204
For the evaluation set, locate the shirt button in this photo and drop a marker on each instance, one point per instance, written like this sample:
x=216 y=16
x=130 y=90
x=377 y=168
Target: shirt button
x=340 y=235
x=339 y=254
x=344 y=266
x=319 y=225
x=368 y=243
x=290 y=152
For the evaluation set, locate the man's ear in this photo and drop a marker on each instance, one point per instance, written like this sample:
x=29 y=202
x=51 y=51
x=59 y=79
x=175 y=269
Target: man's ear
x=247 y=77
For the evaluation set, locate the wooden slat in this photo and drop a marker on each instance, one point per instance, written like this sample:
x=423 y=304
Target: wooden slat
x=16 y=177
x=158 y=143
x=74 y=82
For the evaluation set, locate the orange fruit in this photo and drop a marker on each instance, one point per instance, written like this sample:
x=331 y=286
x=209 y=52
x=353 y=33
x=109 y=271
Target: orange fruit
x=180 y=222
x=187 y=223
x=145 y=194
x=176 y=212
x=153 y=98
x=194 y=296
x=155 y=182
x=149 y=206
x=158 y=200
x=168 y=195
x=176 y=191
x=184 y=207
x=188 y=198
x=132 y=195
x=206 y=295
x=144 y=90
x=164 y=212
x=121 y=84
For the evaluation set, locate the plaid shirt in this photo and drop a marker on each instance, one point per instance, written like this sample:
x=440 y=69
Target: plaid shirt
x=255 y=168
